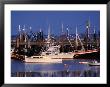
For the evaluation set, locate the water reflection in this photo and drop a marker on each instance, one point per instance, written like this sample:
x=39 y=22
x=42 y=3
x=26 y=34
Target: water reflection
x=85 y=73
x=69 y=68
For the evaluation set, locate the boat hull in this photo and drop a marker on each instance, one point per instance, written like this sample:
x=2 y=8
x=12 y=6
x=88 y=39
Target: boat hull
x=94 y=64
x=42 y=59
x=87 y=55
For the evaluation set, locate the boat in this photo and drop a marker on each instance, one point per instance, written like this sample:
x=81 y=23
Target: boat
x=89 y=54
x=51 y=54
x=54 y=53
x=12 y=53
x=94 y=63
x=93 y=53
x=41 y=59
x=12 y=50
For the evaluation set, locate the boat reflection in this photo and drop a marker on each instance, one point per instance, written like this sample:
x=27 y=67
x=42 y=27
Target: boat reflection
x=69 y=68
x=85 y=73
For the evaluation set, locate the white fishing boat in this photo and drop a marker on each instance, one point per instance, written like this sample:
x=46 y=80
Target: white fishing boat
x=41 y=59
x=52 y=55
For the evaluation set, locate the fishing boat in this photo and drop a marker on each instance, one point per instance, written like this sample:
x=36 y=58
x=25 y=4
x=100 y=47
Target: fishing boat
x=41 y=59
x=93 y=54
x=45 y=57
x=52 y=55
x=86 y=53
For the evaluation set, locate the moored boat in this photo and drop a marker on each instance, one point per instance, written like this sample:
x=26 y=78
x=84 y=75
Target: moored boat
x=94 y=63
x=90 y=54
x=41 y=59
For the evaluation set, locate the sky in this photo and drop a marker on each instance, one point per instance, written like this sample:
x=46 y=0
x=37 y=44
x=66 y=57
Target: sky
x=42 y=19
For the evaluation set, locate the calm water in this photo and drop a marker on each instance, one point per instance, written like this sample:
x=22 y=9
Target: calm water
x=68 y=68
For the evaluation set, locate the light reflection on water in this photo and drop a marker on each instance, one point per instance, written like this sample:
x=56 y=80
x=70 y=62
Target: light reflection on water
x=69 y=68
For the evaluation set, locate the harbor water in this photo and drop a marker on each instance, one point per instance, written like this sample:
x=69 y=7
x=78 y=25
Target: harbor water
x=68 y=68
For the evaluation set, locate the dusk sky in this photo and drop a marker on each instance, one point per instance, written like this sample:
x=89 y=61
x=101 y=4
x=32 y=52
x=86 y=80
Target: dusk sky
x=41 y=20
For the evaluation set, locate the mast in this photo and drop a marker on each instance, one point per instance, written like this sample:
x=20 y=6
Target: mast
x=24 y=35
x=48 y=39
x=76 y=38
x=95 y=39
x=94 y=34
x=88 y=28
x=29 y=46
x=41 y=34
x=68 y=37
x=19 y=32
x=19 y=38
x=49 y=32
x=62 y=37
x=67 y=32
x=62 y=29
x=30 y=29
